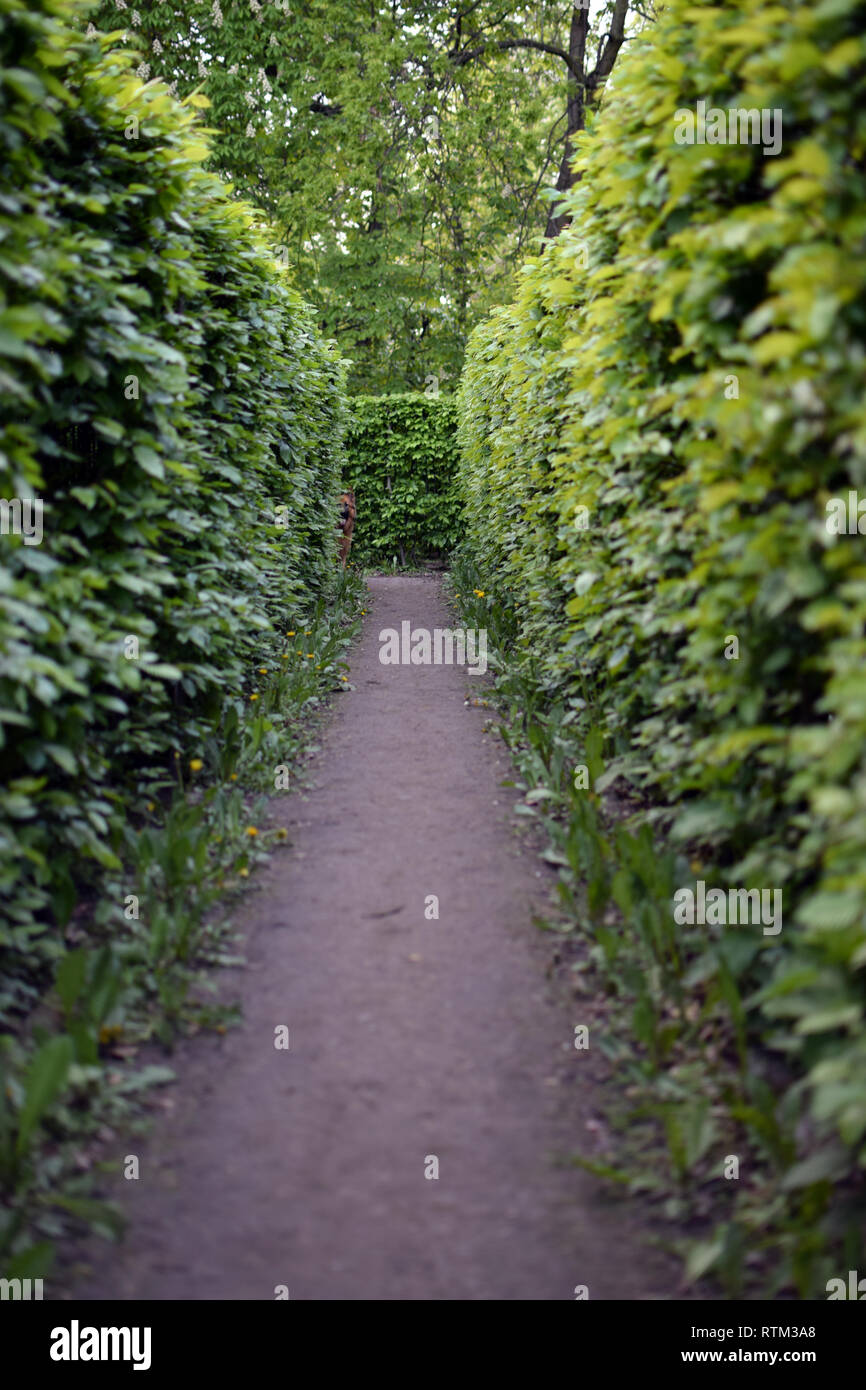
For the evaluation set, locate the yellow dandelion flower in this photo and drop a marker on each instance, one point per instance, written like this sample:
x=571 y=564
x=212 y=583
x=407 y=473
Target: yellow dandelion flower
x=195 y=764
x=311 y=656
x=151 y=805
x=291 y=634
x=263 y=670
x=243 y=873
x=286 y=657
x=479 y=593
x=282 y=833
x=233 y=777
x=254 y=695
x=251 y=830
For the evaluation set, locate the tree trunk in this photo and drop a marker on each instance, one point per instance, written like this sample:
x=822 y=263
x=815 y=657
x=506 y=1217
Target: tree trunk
x=575 y=113
x=582 y=90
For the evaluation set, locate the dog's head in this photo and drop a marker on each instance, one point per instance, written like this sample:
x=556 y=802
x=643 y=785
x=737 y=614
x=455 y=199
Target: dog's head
x=347 y=504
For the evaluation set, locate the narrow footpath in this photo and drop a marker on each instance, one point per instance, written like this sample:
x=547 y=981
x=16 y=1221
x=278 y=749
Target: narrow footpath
x=411 y=1039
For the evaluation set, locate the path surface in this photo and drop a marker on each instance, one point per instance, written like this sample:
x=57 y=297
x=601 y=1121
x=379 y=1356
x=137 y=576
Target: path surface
x=409 y=1038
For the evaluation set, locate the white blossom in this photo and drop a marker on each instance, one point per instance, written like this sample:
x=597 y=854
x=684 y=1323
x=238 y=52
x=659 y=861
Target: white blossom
x=136 y=18
x=249 y=99
x=143 y=71
x=157 y=47
x=251 y=130
x=233 y=69
x=217 y=14
x=120 y=4
x=202 y=69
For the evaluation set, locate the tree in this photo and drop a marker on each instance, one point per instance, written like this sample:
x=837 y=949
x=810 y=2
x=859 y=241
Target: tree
x=400 y=153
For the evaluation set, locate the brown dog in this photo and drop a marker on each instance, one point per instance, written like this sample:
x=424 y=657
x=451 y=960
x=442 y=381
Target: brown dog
x=348 y=513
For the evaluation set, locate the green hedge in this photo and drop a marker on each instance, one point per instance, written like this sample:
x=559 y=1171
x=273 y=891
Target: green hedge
x=686 y=363
x=402 y=459
x=165 y=392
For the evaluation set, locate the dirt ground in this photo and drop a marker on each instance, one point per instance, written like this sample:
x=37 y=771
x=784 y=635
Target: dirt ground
x=409 y=1039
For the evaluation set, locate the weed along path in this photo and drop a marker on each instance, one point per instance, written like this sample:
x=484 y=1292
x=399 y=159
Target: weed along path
x=417 y=1043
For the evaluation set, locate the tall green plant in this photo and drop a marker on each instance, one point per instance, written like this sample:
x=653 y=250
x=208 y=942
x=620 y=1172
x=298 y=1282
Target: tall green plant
x=653 y=435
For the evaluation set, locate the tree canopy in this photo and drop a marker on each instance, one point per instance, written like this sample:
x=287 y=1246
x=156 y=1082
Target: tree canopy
x=404 y=154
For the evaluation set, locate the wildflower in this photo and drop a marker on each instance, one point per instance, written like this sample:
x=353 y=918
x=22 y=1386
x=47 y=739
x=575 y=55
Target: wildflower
x=479 y=593
x=311 y=656
x=151 y=805
x=251 y=831
x=254 y=695
x=291 y=634
x=263 y=670
x=282 y=833
x=195 y=764
x=233 y=777
x=243 y=873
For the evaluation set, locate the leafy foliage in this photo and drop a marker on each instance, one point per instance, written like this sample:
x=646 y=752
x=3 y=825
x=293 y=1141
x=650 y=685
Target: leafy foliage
x=165 y=394
x=402 y=456
x=650 y=436
x=400 y=152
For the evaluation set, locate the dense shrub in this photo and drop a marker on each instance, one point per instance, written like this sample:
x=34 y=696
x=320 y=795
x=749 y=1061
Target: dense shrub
x=686 y=364
x=402 y=456
x=166 y=394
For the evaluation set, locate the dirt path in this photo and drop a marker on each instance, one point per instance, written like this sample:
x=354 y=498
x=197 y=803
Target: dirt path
x=408 y=1038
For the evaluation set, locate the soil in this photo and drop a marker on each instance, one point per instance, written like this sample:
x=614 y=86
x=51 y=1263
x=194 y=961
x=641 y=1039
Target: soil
x=410 y=1038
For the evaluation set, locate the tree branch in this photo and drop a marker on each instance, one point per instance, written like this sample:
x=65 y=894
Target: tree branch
x=612 y=44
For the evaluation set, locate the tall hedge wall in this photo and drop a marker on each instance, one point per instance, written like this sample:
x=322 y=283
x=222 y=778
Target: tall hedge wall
x=165 y=393
x=686 y=365
x=401 y=460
